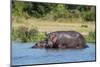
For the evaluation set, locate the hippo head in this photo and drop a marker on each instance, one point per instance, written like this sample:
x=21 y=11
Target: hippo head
x=42 y=44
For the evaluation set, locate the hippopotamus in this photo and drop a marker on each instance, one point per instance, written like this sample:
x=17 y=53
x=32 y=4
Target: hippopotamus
x=63 y=40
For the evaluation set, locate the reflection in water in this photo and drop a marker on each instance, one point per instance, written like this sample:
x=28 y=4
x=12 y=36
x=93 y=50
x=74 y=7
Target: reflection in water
x=22 y=54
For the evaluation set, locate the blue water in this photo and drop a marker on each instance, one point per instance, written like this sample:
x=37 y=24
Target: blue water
x=23 y=54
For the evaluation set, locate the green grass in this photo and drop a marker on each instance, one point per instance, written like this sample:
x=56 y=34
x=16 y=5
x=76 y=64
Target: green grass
x=91 y=37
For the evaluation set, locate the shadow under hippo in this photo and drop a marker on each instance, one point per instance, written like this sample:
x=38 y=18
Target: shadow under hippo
x=63 y=40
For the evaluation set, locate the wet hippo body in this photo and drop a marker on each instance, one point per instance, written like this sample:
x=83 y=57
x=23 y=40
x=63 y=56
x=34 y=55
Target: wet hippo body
x=64 y=40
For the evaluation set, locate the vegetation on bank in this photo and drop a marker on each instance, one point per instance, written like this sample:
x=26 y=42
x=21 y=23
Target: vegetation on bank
x=35 y=36
x=26 y=32
x=31 y=20
x=91 y=37
x=53 y=11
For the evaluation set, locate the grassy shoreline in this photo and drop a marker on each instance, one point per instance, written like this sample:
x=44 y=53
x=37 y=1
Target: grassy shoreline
x=32 y=29
x=22 y=36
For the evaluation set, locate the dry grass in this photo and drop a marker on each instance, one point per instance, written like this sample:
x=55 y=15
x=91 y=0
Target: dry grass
x=50 y=26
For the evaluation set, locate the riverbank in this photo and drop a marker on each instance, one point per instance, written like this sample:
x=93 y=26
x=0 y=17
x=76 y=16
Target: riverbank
x=32 y=29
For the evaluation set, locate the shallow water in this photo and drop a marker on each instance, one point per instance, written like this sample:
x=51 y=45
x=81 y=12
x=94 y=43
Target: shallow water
x=23 y=54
